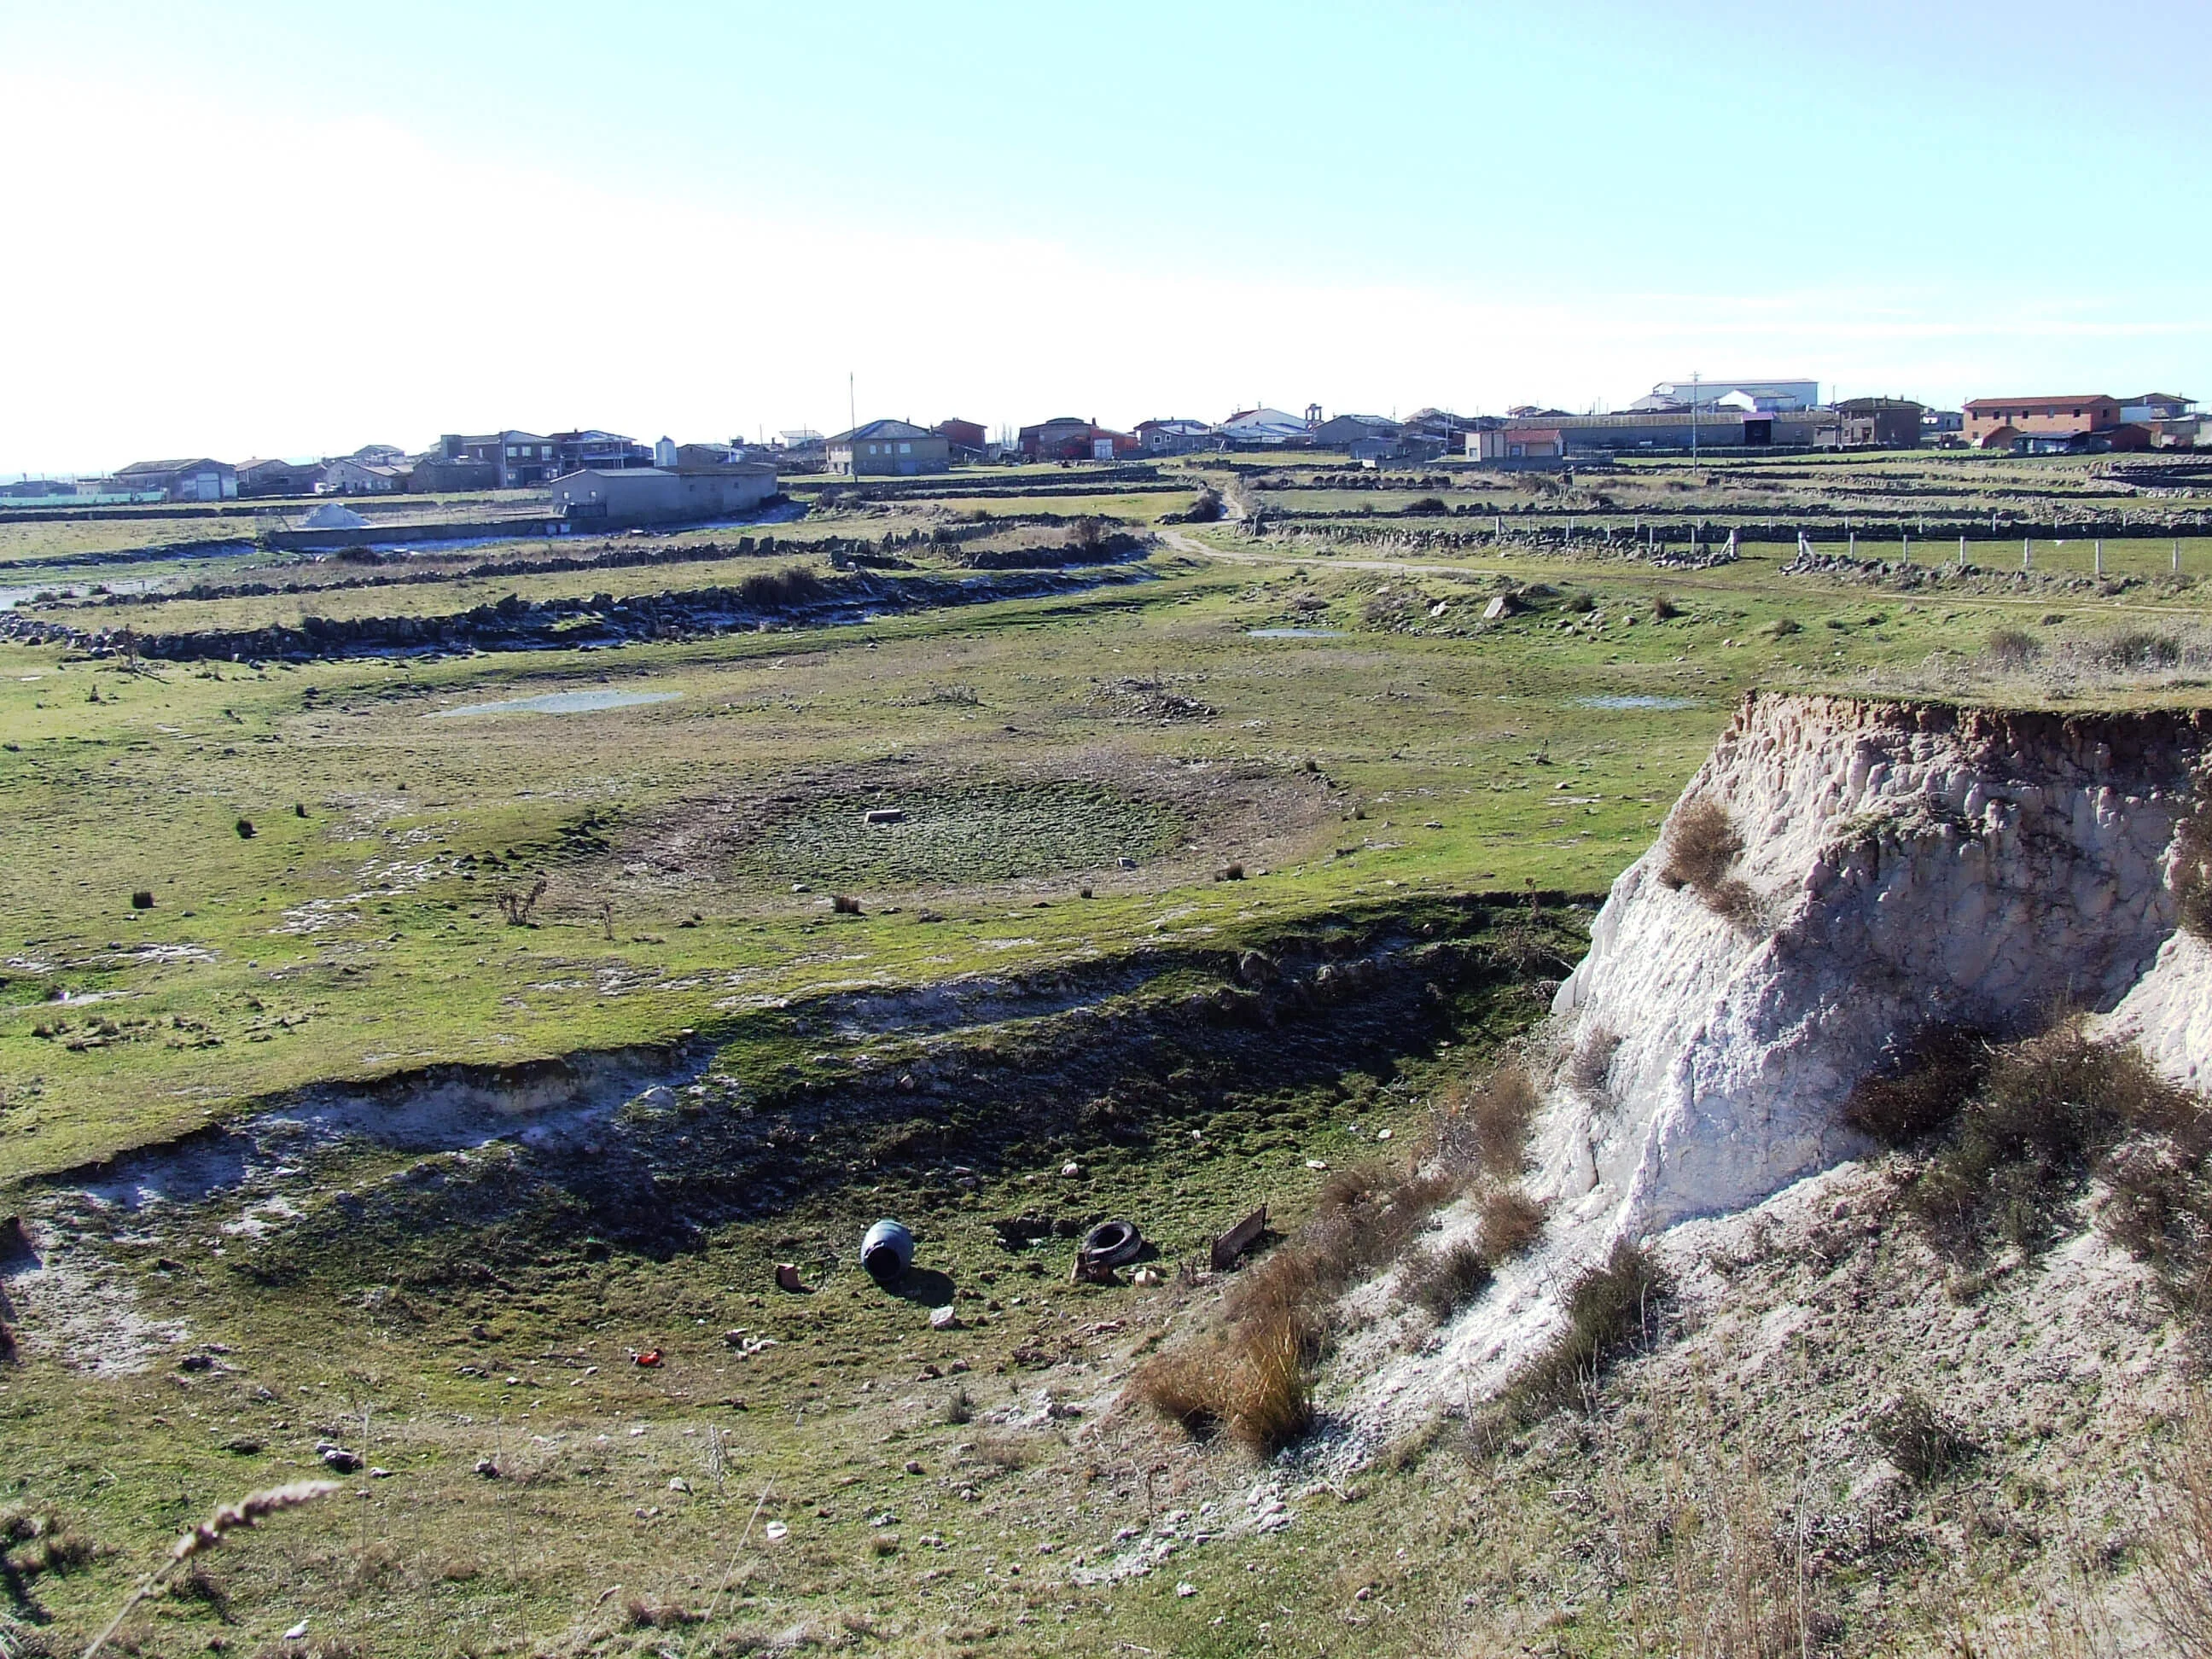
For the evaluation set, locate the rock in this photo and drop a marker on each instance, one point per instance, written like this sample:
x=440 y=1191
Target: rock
x=679 y=1484
x=487 y=1468
x=338 y=1458
x=244 y=1444
x=944 y=1319
x=913 y=1466
x=1187 y=1589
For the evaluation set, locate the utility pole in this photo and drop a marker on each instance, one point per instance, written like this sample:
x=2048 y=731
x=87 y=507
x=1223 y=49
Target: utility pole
x=1693 y=417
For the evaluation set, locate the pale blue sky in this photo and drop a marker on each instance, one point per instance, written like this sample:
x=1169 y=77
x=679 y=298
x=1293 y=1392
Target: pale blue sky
x=316 y=225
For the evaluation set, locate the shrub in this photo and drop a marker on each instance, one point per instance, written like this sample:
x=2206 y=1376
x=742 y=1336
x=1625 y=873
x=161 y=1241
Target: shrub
x=794 y=585
x=516 y=905
x=1610 y=1310
x=1446 y=1282
x=1700 y=845
x=1581 y=603
x=844 y=904
x=2139 y=649
x=142 y=899
x=245 y=828
x=1510 y=1222
x=2009 y=648
x=2048 y=1110
x=1781 y=628
x=1921 y=1085
x=1427 y=506
x=2192 y=867
x=1591 y=1063
x=1914 y=1437
x=1484 y=1126
x=1664 y=608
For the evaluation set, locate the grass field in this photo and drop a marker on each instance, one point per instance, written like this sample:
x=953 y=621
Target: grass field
x=251 y=911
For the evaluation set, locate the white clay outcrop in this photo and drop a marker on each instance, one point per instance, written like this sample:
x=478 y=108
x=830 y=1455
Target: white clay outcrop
x=1913 y=863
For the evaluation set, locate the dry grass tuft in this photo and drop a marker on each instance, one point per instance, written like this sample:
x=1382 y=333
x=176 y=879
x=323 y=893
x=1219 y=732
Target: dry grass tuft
x=1255 y=1376
x=1510 y=1221
x=643 y=1613
x=1612 y=1307
x=1914 y=1436
x=2012 y=647
x=1447 y=1281
x=1590 y=1067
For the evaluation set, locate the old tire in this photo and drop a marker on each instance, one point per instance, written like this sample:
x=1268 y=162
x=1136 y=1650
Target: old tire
x=1111 y=1243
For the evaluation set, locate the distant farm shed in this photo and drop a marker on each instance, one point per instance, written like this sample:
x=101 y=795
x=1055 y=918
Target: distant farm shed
x=192 y=480
x=651 y=495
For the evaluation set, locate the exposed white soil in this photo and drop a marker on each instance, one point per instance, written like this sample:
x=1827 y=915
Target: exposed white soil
x=1911 y=864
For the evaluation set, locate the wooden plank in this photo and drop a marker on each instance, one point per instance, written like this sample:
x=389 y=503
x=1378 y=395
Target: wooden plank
x=1239 y=1239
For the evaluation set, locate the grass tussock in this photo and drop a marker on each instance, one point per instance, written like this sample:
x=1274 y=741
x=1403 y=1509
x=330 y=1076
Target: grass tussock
x=1613 y=1308
x=2012 y=648
x=1918 y=1439
x=1254 y=1376
x=1448 y=1280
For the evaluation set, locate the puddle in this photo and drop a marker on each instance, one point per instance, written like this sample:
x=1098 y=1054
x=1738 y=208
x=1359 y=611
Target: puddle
x=1636 y=702
x=12 y=597
x=558 y=703
x=1294 y=633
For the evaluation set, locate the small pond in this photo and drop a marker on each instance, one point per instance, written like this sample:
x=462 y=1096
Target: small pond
x=558 y=703
x=1294 y=633
x=1635 y=702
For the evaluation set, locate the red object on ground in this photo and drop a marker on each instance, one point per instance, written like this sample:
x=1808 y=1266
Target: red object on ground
x=650 y=1356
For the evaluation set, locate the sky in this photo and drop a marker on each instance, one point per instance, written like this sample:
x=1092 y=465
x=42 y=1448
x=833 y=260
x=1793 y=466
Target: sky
x=277 y=230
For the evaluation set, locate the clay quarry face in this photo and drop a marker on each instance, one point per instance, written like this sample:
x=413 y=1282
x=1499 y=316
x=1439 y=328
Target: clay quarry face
x=1643 y=1028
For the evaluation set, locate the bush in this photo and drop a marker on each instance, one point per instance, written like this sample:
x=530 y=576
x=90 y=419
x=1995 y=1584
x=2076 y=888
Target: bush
x=245 y=828
x=1510 y=1222
x=2009 y=648
x=2048 y=1111
x=794 y=585
x=844 y=904
x=1921 y=1087
x=1446 y=1282
x=2140 y=649
x=2192 y=867
x=1591 y=1064
x=1611 y=1307
x=1700 y=844
x=1664 y=608
x=142 y=899
x=1484 y=1126
x=1426 y=506
x=1580 y=604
